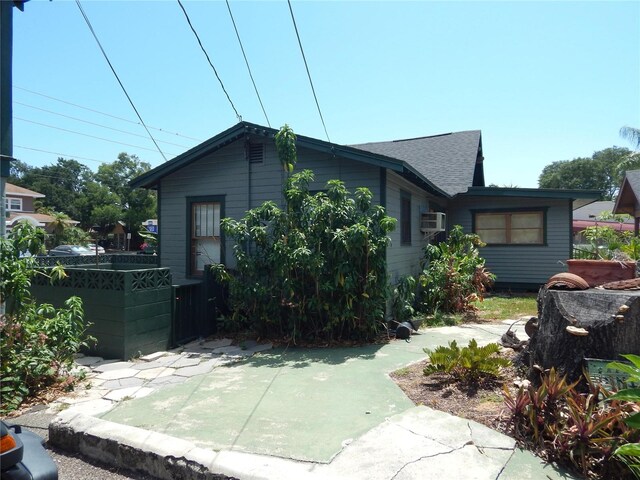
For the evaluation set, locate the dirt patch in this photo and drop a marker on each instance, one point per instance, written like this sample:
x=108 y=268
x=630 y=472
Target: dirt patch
x=482 y=402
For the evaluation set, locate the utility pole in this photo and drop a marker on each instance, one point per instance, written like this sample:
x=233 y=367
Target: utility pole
x=6 y=100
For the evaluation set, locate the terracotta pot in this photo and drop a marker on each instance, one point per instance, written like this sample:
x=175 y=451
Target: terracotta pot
x=597 y=272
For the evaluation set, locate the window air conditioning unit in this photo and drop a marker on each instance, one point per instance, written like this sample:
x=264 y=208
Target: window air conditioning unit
x=433 y=222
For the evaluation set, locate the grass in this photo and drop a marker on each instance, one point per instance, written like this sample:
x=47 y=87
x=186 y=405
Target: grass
x=493 y=308
x=506 y=306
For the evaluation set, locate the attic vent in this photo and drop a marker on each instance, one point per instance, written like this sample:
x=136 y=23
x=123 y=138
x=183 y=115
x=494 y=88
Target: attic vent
x=255 y=152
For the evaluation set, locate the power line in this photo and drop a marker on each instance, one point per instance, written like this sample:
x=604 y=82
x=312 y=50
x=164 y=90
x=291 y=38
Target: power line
x=95 y=124
x=74 y=157
x=209 y=60
x=307 y=67
x=86 y=135
x=104 y=113
x=86 y=19
x=247 y=62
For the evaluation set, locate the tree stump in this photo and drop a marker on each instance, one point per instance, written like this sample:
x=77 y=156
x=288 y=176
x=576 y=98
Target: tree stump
x=604 y=325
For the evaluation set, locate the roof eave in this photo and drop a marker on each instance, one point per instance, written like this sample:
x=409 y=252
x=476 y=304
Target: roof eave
x=151 y=178
x=579 y=198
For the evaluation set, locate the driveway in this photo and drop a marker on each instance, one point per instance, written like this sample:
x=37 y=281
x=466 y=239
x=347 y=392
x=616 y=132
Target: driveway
x=293 y=413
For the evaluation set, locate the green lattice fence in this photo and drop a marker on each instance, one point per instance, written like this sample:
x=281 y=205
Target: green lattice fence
x=129 y=310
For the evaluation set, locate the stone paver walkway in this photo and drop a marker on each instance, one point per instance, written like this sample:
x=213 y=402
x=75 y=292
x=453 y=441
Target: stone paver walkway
x=110 y=381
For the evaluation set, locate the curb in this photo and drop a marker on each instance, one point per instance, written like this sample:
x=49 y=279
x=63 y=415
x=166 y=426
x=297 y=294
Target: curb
x=161 y=455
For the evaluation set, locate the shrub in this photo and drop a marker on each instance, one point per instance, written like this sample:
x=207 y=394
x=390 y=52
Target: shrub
x=403 y=300
x=454 y=275
x=38 y=342
x=572 y=428
x=315 y=269
x=470 y=363
x=630 y=452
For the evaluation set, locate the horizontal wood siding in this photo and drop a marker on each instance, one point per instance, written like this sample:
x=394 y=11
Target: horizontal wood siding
x=522 y=265
x=222 y=173
x=404 y=259
x=226 y=172
x=328 y=167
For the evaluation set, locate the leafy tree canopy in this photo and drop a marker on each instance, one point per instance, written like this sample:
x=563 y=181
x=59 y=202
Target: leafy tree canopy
x=137 y=204
x=603 y=171
x=101 y=199
x=62 y=183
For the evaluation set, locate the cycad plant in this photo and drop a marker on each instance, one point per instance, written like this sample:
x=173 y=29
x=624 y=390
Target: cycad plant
x=470 y=363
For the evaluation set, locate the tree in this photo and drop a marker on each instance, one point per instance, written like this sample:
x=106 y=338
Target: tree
x=96 y=200
x=137 y=204
x=105 y=217
x=600 y=172
x=58 y=226
x=632 y=162
x=17 y=170
x=62 y=184
x=631 y=134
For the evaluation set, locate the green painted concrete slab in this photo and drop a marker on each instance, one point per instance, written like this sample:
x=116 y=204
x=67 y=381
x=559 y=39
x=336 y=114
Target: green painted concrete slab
x=304 y=404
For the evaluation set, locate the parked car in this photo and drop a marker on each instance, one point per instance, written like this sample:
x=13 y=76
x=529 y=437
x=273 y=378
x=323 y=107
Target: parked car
x=92 y=247
x=70 y=250
x=22 y=455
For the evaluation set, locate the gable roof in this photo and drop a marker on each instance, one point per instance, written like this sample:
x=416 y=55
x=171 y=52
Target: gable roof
x=628 y=200
x=151 y=178
x=453 y=161
x=15 y=190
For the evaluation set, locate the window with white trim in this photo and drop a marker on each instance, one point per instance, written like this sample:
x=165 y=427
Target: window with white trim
x=13 y=204
x=205 y=235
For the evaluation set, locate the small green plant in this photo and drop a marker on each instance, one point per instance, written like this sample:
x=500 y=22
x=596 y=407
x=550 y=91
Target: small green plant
x=570 y=427
x=38 y=342
x=632 y=249
x=454 y=275
x=470 y=363
x=606 y=243
x=403 y=300
x=630 y=453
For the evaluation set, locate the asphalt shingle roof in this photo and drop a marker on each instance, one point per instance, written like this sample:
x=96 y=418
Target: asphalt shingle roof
x=448 y=160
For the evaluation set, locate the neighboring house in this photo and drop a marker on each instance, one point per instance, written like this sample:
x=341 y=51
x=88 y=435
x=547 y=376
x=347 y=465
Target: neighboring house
x=592 y=216
x=429 y=184
x=19 y=205
x=114 y=238
x=628 y=200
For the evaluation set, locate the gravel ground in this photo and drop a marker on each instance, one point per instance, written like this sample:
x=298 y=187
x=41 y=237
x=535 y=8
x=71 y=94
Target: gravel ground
x=71 y=466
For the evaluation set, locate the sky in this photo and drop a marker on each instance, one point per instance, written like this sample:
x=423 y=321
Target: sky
x=543 y=81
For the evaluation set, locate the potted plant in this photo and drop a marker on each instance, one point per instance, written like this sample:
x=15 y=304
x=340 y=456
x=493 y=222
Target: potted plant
x=613 y=254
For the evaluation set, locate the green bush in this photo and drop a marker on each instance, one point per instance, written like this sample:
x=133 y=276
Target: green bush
x=315 y=269
x=572 y=428
x=404 y=298
x=470 y=363
x=454 y=275
x=630 y=452
x=38 y=342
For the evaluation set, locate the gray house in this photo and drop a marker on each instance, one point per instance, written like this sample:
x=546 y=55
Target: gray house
x=429 y=184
